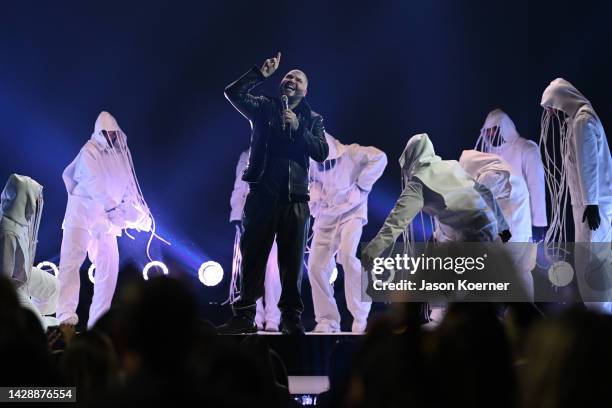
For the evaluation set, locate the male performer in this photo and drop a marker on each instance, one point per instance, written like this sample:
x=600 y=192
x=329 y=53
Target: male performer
x=103 y=199
x=268 y=315
x=22 y=202
x=339 y=202
x=499 y=136
x=283 y=140
x=586 y=171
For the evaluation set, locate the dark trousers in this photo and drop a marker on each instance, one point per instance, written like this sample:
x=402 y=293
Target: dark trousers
x=264 y=217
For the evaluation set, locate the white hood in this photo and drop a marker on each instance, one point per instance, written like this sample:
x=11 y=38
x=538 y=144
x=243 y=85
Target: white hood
x=336 y=149
x=507 y=129
x=22 y=203
x=562 y=95
x=21 y=199
x=107 y=122
x=479 y=165
x=418 y=153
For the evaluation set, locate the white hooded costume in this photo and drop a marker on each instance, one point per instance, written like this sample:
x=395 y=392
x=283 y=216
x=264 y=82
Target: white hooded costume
x=103 y=199
x=268 y=314
x=464 y=209
x=521 y=154
x=585 y=172
x=510 y=192
x=22 y=203
x=339 y=189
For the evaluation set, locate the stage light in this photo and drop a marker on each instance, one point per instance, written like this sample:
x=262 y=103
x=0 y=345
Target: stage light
x=158 y=264
x=210 y=273
x=561 y=273
x=334 y=276
x=90 y=272
x=47 y=264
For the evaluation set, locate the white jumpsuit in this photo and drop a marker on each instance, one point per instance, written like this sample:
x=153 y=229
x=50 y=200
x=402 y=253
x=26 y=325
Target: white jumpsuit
x=587 y=167
x=510 y=192
x=339 y=189
x=37 y=290
x=522 y=155
x=102 y=200
x=464 y=209
x=268 y=314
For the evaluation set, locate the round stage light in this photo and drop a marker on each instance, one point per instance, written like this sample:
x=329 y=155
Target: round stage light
x=210 y=273
x=90 y=272
x=46 y=265
x=154 y=264
x=334 y=276
x=561 y=273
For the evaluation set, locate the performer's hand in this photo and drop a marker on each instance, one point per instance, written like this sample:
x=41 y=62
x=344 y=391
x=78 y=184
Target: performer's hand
x=505 y=235
x=291 y=119
x=237 y=224
x=270 y=65
x=591 y=216
x=53 y=335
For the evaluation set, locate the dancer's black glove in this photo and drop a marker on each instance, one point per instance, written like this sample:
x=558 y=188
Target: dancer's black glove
x=505 y=235
x=591 y=216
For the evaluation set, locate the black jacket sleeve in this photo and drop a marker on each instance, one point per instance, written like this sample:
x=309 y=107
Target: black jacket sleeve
x=238 y=93
x=313 y=140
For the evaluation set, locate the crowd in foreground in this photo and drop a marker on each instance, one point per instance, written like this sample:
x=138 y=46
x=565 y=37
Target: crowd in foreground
x=155 y=348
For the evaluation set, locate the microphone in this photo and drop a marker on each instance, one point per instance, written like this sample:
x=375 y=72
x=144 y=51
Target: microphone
x=285 y=103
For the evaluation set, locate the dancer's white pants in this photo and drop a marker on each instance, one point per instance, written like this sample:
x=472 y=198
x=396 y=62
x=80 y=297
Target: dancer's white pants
x=595 y=265
x=328 y=245
x=78 y=243
x=267 y=307
x=40 y=294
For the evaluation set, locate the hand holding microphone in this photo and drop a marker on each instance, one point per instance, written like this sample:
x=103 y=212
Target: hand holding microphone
x=288 y=116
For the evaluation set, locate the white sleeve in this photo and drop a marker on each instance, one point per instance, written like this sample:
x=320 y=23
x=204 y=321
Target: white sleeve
x=585 y=139
x=89 y=175
x=533 y=171
x=315 y=189
x=374 y=162
x=240 y=191
x=408 y=205
x=9 y=258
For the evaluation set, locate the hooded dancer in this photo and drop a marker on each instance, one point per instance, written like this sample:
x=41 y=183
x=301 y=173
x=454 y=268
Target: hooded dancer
x=585 y=172
x=103 y=199
x=22 y=203
x=339 y=189
x=510 y=192
x=267 y=316
x=465 y=210
x=499 y=136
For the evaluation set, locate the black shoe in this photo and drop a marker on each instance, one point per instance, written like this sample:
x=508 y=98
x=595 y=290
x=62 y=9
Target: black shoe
x=293 y=327
x=237 y=325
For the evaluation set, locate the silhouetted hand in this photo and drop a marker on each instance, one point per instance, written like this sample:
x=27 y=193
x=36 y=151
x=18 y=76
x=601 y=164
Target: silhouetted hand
x=505 y=235
x=270 y=65
x=53 y=335
x=591 y=216
x=68 y=332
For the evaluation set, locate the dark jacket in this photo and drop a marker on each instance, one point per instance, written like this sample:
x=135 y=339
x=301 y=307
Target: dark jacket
x=273 y=149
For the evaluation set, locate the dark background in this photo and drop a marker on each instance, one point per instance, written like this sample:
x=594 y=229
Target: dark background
x=379 y=72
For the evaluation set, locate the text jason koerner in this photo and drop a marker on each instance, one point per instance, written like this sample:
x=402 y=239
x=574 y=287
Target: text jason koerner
x=405 y=285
